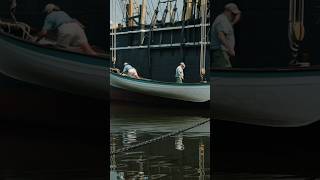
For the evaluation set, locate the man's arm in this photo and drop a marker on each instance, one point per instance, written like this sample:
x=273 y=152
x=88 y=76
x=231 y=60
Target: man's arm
x=41 y=34
x=125 y=69
x=236 y=19
x=223 y=40
x=180 y=71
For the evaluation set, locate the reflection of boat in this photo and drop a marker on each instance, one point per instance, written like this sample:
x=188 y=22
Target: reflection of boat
x=192 y=92
x=288 y=97
x=51 y=67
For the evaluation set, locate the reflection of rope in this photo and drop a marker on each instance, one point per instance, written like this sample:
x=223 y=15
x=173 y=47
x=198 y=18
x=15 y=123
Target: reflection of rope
x=20 y=26
x=157 y=138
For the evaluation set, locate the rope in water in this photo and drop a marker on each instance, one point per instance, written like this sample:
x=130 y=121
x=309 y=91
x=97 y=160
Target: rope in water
x=121 y=150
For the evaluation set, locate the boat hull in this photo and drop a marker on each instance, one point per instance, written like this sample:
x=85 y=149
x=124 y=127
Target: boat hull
x=277 y=99
x=57 y=69
x=198 y=93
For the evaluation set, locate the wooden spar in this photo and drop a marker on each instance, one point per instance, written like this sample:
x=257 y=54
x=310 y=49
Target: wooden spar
x=203 y=39
x=188 y=13
x=130 y=13
x=296 y=30
x=114 y=36
x=143 y=12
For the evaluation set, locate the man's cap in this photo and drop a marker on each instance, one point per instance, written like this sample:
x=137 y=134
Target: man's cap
x=50 y=7
x=233 y=8
x=125 y=63
x=182 y=64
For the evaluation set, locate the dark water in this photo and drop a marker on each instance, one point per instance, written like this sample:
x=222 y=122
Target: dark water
x=39 y=152
x=47 y=134
x=175 y=157
x=253 y=152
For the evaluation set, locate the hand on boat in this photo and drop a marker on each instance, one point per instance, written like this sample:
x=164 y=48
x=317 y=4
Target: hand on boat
x=35 y=39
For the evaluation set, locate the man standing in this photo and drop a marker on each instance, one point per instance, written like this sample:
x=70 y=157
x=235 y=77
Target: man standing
x=222 y=36
x=70 y=32
x=179 y=73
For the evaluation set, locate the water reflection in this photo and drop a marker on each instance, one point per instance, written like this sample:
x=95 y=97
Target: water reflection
x=185 y=155
x=179 y=142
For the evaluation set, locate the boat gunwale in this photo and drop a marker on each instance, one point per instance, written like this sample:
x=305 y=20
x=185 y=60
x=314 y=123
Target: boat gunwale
x=160 y=82
x=8 y=35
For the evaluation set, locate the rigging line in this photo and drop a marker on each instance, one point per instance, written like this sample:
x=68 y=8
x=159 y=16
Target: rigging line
x=122 y=10
x=148 y=11
x=152 y=5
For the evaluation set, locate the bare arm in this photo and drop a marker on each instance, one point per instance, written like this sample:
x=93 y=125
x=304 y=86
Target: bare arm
x=41 y=34
x=236 y=19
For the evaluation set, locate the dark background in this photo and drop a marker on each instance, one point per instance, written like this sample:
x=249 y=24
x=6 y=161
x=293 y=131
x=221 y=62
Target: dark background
x=262 y=33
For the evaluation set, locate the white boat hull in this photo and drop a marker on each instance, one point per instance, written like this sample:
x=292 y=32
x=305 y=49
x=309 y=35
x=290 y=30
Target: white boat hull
x=279 y=101
x=29 y=63
x=185 y=92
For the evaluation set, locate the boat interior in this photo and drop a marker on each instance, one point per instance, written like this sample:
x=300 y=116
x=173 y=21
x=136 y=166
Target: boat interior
x=275 y=34
x=24 y=32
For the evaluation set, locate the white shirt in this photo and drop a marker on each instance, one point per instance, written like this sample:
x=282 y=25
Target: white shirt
x=179 y=72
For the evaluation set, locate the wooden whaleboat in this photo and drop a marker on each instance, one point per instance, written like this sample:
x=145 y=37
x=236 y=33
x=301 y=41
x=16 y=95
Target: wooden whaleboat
x=51 y=67
x=189 y=92
x=267 y=97
x=284 y=92
x=144 y=89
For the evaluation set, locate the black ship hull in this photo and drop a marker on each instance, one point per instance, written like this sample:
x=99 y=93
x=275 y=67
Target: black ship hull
x=159 y=57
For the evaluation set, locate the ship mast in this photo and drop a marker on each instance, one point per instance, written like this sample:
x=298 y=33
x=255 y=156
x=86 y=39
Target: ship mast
x=130 y=13
x=203 y=42
x=143 y=12
x=296 y=28
x=114 y=31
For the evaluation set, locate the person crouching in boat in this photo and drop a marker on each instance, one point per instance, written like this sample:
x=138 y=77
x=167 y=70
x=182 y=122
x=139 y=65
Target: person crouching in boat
x=179 y=73
x=70 y=31
x=130 y=71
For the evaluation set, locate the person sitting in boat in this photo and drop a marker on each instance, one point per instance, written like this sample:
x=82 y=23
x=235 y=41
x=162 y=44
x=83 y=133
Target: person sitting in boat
x=179 y=73
x=130 y=71
x=222 y=36
x=70 y=31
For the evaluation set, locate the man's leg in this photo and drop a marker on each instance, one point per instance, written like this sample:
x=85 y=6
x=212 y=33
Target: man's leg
x=221 y=59
x=178 y=80
x=227 y=59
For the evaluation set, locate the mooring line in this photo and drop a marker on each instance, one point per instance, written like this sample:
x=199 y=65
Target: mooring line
x=121 y=150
